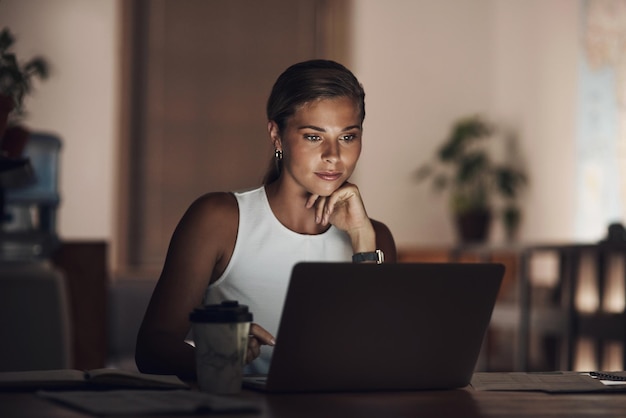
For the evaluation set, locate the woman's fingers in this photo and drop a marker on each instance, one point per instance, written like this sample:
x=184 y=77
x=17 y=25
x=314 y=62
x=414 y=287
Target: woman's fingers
x=311 y=201
x=346 y=197
x=344 y=208
x=254 y=349
x=320 y=209
x=320 y=204
x=257 y=337
x=338 y=198
x=261 y=334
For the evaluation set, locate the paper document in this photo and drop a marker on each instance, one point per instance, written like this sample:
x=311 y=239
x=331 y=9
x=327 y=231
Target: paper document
x=70 y=378
x=551 y=382
x=149 y=402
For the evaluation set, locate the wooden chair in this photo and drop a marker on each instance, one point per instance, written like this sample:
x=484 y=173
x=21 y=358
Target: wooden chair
x=35 y=327
x=587 y=301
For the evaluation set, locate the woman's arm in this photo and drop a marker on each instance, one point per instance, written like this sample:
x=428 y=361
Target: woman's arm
x=345 y=210
x=199 y=251
x=385 y=241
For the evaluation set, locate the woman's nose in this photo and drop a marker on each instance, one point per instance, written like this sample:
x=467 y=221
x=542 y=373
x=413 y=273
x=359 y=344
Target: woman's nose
x=331 y=151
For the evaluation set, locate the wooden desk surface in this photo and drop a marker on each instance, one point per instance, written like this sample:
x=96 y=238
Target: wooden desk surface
x=454 y=403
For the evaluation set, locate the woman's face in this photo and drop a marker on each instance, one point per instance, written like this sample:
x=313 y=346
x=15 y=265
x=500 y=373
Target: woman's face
x=321 y=144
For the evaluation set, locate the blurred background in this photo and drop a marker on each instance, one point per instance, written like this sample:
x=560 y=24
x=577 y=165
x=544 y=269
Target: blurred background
x=125 y=73
x=159 y=101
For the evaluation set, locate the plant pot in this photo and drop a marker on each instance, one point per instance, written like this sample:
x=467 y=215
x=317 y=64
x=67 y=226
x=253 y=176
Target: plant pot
x=6 y=106
x=511 y=219
x=473 y=226
x=14 y=141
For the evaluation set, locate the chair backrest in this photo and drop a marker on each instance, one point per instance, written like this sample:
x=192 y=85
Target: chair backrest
x=589 y=295
x=35 y=327
x=127 y=302
x=596 y=326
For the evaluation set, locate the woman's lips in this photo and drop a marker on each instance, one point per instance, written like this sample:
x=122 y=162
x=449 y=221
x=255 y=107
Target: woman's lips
x=328 y=176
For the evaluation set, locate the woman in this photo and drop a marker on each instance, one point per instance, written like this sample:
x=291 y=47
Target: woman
x=242 y=246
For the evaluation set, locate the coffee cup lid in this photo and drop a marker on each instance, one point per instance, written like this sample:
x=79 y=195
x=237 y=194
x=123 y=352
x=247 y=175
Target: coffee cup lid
x=227 y=311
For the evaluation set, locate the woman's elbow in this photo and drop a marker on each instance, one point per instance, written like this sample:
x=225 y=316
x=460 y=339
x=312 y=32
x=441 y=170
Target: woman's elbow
x=145 y=357
x=159 y=352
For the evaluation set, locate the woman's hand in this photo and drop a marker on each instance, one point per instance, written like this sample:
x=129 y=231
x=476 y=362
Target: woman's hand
x=345 y=210
x=258 y=336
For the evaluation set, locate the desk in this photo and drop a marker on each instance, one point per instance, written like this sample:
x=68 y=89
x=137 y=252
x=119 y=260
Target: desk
x=454 y=403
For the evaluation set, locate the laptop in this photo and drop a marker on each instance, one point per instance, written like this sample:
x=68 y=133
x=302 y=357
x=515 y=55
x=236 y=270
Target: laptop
x=374 y=327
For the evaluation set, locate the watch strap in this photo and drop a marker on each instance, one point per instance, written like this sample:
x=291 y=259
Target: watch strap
x=378 y=256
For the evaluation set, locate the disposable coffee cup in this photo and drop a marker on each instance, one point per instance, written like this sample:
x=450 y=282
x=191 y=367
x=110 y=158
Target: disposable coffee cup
x=220 y=335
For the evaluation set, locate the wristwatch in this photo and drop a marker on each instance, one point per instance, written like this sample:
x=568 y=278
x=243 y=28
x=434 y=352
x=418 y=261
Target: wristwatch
x=378 y=256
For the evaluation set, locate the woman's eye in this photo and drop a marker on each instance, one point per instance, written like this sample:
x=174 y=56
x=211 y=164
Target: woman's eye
x=312 y=137
x=348 y=138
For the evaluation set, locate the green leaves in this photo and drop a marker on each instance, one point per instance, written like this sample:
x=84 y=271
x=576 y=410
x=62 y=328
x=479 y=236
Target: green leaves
x=509 y=181
x=462 y=164
x=472 y=166
x=464 y=134
x=6 y=40
x=16 y=79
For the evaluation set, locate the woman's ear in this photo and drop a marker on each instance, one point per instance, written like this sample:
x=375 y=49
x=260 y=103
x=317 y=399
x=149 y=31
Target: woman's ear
x=272 y=129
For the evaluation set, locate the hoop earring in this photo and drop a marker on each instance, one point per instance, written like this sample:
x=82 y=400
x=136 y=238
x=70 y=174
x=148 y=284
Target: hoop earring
x=278 y=154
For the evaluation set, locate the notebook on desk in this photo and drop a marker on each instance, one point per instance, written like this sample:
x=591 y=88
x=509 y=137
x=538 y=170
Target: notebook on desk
x=363 y=327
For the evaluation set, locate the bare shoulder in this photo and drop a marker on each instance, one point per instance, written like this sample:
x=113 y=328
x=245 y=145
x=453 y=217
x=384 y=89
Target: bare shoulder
x=205 y=236
x=211 y=218
x=211 y=209
x=222 y=202
x=385 y=241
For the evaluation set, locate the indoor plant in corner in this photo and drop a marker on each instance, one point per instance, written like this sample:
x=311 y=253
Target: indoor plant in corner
x=477 y=184
x=15 y=82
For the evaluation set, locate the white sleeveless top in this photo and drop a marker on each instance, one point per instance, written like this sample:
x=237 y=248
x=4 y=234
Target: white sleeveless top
x=259 y=269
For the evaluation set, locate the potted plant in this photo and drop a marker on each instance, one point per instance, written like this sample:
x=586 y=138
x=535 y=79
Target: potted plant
x=15 y=83
x=464 y=166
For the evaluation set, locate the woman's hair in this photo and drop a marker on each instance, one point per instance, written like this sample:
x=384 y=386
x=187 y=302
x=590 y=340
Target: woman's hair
x=303 y=83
